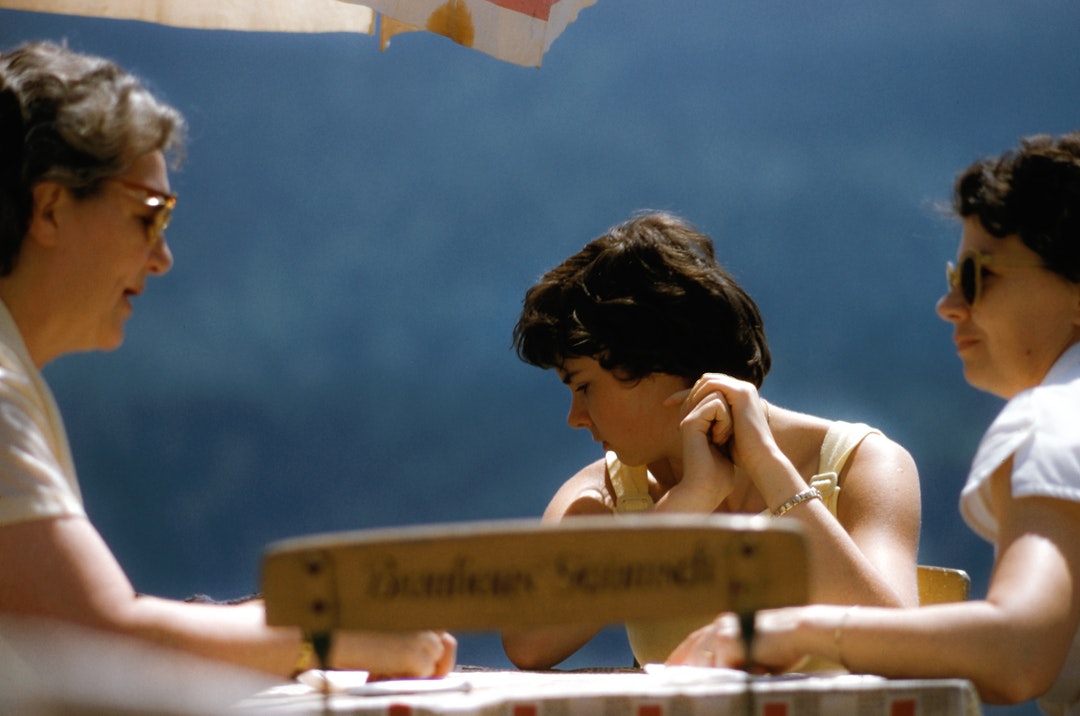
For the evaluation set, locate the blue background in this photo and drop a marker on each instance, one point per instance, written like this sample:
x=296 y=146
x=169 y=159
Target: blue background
x=356 y=230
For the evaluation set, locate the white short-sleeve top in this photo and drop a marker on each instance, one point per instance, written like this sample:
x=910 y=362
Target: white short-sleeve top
x=37 y=474
x=1040 y=429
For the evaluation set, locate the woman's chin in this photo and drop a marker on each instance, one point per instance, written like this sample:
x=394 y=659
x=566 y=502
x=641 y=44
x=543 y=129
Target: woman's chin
x=111 y=341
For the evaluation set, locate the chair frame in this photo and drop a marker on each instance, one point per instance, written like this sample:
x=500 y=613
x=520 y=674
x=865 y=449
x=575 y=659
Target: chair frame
x=510 y=573
x=940 y=585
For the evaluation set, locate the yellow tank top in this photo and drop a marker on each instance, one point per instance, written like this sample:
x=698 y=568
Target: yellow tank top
x=653 y=640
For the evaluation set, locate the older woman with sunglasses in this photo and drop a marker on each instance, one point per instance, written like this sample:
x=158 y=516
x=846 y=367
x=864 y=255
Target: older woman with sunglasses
x=1014 y=303
x=84 y=202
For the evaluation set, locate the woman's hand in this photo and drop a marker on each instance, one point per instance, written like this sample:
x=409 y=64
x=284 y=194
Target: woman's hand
x=706 y=429
x=742 y=421
x=388 y=655
x=778 y=637
x=718 y=643
x=705 y=412
x=720 y=415
x=707 y=471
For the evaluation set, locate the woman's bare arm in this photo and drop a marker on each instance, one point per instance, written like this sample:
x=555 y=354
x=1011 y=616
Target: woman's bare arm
x=866 y=554
x=61 y=568
x=544 y=647
x=1011 y=645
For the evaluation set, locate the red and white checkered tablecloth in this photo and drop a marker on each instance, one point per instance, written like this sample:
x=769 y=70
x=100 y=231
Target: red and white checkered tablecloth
x=658 y=692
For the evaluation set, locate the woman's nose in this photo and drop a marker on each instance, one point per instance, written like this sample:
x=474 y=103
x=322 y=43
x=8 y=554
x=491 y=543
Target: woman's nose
x=161 y=258
x=578 y=417
x=951 y=306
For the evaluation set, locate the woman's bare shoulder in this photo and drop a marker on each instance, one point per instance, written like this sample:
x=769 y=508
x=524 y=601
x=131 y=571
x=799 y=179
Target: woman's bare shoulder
x=879 y=453
x=586 y=493
x=801 y=435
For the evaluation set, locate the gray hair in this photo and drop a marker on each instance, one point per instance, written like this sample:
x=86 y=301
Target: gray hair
x=74 y=119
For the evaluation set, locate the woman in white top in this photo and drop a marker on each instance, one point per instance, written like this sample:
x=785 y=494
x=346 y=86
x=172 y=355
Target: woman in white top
x=84 y=201
x=650 y=333
x=1014 y=303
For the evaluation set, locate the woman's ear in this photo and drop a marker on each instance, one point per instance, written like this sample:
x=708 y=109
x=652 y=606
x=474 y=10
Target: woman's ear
x=48 y=196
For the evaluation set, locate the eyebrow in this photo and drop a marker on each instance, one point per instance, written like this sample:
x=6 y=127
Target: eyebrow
x=567 y=376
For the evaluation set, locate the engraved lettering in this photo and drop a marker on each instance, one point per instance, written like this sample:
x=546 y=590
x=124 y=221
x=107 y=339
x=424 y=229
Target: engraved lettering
x=460 y=579
x=691 y=570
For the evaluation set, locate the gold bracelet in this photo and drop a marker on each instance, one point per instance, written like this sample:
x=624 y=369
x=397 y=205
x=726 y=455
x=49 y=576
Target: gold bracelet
x=305 y=658
x=808 y=494
x=839 y=633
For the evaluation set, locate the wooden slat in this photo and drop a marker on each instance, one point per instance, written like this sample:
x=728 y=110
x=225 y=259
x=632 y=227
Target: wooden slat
x=492 y=575
x=939 y=585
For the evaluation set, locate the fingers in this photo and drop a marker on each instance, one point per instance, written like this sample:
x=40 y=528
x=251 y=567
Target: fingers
x=734 y=391
x=704 y=409
x=725 y=388
x=445 y=664
x=397 y=655
x=741 y=399
x=708 y=406
x=716 y=645
x=435 y=653
x=722 y=427
x=689 y=652
x=675 y=398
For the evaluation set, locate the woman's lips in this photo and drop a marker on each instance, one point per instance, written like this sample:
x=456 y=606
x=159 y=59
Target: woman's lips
x=964 y=342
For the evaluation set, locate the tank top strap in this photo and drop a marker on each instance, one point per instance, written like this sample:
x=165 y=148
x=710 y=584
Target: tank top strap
x=840 y=441
x=631 y=485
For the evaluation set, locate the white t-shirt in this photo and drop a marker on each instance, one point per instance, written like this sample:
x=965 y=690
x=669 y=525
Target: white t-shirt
x=1040 y=429
x=37 y=474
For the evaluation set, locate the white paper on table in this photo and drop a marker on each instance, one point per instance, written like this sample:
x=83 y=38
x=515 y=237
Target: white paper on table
x=356 y=683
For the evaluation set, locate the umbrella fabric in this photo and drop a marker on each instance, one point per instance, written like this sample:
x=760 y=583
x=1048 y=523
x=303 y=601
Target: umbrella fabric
x=517 y=31
x=259 y=15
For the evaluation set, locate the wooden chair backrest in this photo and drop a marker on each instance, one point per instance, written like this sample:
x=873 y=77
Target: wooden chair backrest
x=493 y=575
x=938 y=585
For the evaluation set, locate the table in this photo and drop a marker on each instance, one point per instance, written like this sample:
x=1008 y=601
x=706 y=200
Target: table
x=657 y=691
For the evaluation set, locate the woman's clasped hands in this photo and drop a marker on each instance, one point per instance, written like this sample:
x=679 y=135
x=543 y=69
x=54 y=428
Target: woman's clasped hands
x=724 y=425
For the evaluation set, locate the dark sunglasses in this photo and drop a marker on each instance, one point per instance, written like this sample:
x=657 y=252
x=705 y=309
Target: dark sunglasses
x=161 y=202
x=968 y=275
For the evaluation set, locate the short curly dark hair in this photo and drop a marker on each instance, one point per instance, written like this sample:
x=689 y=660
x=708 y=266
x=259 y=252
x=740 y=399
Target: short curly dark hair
x=646 y=297
x=1032 y=192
